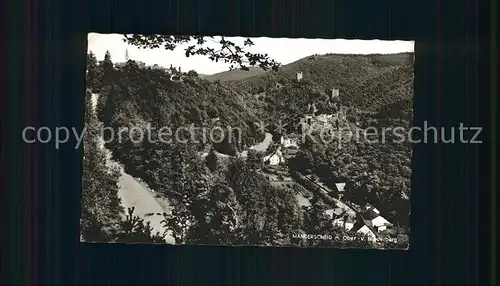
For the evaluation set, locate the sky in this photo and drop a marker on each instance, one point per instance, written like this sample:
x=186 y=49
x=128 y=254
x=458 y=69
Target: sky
x=283 y=50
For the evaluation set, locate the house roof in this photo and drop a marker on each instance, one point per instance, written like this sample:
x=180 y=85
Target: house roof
x=360 y=223
x=338 y=211
x=335 y=211
x=277 y=153
x=368 y=206
x=365 y=227
x=384 y=222
x=340 y=186
x=349 y=219
x=370 y=214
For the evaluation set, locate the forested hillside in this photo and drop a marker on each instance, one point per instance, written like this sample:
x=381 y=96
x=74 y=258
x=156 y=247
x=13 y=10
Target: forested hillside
x=234 y=202
x=234 y=75
x=344 y=72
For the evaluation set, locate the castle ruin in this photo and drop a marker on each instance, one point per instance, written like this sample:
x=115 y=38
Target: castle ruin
x=299 y=76
x=335 y=93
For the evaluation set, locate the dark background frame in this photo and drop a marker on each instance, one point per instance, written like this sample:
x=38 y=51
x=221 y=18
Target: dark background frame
x=451 y=187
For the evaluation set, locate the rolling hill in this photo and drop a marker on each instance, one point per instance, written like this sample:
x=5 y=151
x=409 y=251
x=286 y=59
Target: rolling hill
x=367 y=83
x=233 y=75
x=341 y=71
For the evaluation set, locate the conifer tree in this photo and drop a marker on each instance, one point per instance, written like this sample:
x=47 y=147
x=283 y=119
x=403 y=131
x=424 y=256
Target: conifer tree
x=93 y=73
x=107 y=70
x=212 y=161
x=101 y=208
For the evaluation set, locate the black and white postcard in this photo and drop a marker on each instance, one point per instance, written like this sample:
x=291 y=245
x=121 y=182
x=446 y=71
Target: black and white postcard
x=248 y=141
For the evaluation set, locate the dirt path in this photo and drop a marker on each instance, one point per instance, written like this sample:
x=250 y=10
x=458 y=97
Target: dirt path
x=134 y=194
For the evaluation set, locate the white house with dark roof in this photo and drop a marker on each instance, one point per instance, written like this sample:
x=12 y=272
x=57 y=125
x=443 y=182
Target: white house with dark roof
x=373 y=219
x=368 y=232
x=346 y=222
x=274 y=158
x=339 y=220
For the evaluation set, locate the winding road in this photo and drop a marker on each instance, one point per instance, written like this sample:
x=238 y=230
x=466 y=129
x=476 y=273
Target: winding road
x=260 y=147
x=133 y=194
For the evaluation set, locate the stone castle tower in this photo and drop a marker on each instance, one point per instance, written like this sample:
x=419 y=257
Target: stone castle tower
x=335 y=93
x=299 y=76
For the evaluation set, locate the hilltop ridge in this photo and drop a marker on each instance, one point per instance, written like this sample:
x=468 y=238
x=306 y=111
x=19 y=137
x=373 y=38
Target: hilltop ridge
x=234 y=75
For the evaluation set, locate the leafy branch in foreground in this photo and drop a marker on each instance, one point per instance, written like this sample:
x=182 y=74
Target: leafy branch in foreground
x=135 y=229
x=226 y=51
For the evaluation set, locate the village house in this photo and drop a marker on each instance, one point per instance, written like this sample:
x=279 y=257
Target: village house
x=274 y=158
x=288 y=142
x=373 y=219
x=346 y=222
x=333 y=213
x=290 y=152
x=340 y=219
x=361 y=227
x=340 y=188
x=368 y=232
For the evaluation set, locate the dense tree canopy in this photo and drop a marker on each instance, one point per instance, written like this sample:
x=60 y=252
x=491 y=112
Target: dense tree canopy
x=102 y=213
x=219 y=201
x=100 y=203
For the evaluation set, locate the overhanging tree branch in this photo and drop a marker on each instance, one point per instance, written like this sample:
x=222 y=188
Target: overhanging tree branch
x=229 y=52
